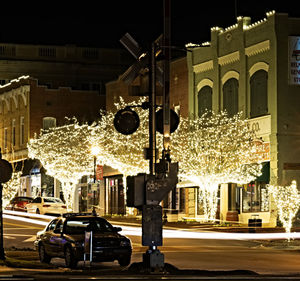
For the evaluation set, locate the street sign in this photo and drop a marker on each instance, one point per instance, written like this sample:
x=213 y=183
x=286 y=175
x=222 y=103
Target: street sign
x=99 y=172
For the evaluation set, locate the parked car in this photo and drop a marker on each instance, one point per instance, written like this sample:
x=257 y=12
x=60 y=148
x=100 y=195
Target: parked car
x=19 y=203
x=66 y=237
x=47 y=205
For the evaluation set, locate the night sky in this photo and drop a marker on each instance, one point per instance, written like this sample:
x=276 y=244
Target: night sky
x=83 y=23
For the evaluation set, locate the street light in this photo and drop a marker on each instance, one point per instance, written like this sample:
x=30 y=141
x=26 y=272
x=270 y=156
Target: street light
x=95 y=151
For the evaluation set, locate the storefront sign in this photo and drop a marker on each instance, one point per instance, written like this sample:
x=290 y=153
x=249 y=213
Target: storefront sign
x=294 y=60
x=263 y=151
x=260 y=125
x=99 y=172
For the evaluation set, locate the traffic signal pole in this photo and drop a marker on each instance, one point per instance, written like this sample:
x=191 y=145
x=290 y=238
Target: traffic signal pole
x=152 y=211
x=146 y=191
x=152 y=109
x=166 y=71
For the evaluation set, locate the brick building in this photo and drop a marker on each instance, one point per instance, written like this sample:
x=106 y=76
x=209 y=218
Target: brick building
x=26 y=107
x=80 y=68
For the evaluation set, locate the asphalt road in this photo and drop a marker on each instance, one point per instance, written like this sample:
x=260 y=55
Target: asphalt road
x=186 y=253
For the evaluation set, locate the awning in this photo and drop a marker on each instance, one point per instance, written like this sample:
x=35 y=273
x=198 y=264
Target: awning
x=31 y=166
x=186 y=184
x=265 y=176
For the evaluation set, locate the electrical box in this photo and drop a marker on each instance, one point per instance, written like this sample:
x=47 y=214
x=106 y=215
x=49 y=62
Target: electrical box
x=136 y=190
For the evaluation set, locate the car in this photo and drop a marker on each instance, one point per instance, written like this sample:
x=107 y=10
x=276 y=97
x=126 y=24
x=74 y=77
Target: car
x=47 y=205
x=67 y=237
x=19 y=203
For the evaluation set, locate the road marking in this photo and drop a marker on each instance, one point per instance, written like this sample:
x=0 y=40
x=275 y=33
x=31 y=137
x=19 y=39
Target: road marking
x=31 y=239
x=9 y=237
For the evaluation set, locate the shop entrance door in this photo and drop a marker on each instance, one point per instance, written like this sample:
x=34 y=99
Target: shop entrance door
x=88 y=197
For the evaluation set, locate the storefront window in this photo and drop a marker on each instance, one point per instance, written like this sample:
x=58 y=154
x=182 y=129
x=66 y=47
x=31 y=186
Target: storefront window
x=199 y=197
x=255 y=197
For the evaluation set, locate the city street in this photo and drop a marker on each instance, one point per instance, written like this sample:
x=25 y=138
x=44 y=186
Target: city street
x=184 y=253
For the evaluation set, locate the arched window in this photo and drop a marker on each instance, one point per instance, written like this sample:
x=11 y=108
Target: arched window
x=230 y=96
x=259 y=93
x=204 y=100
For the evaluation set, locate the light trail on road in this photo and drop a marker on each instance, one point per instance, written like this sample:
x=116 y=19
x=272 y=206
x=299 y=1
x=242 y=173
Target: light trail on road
x=167 y=233
x=176 y=233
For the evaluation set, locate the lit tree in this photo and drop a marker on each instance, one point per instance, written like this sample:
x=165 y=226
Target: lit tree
x=125 y=152
x=65 y=153
x=215 y=149
x=11 y=187
x=287 y=201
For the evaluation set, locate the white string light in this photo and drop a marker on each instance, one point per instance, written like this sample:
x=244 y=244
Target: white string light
x=287 y=201
x=215 y=149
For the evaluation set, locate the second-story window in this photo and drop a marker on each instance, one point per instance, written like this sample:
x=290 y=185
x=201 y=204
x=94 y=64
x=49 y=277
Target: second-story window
x=5 y=140
x=22 y=130
x=259 y=93
x=230 y=96
x=13 y=132
x=204 y=100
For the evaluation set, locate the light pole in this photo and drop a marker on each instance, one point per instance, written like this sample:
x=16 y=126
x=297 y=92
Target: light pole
x=95 y=151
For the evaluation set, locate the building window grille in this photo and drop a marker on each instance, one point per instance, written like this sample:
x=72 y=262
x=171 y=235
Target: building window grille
x=259 y=94
x=230 y=96
x=7 y=51
x=204 y=100
x=47 y=52
x=90 y=53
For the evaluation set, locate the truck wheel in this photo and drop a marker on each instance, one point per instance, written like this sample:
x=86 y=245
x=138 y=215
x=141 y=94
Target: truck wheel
x=44 y=257
x=70 y=260
x=124 y=261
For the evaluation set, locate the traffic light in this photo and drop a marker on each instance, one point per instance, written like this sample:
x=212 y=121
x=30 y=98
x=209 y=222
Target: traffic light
x=174 y=121
x=126 y=121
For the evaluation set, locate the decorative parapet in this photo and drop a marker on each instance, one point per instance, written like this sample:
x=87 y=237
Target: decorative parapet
x=230 y=58
x=13 y=94
x=257 y=48
x=202 y=67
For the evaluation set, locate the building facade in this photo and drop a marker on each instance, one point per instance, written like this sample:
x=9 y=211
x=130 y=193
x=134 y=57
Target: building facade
x=27 y=107
x=79 y=68
x=253 y=68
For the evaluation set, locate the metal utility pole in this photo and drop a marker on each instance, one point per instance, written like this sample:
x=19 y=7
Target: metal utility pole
x=152 y=109
x=146 y=191
x=166 y=71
